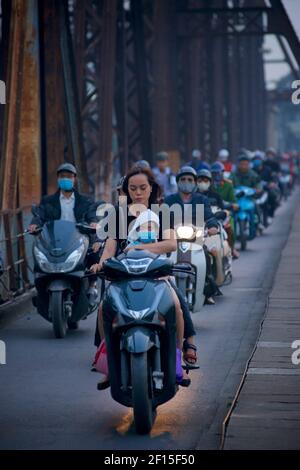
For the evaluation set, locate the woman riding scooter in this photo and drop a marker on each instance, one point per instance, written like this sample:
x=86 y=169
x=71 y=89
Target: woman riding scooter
x=142 y=190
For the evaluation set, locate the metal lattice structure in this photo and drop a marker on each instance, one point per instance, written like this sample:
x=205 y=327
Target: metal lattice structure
x=112 y=81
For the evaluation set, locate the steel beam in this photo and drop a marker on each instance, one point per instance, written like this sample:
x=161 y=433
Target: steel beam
x=52 y=94
x=29 y=149
x=73 y=116
x=9 y=160
x=164 y=73
x=106 y=96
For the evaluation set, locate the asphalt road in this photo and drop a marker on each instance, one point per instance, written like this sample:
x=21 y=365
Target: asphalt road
x=48 y=396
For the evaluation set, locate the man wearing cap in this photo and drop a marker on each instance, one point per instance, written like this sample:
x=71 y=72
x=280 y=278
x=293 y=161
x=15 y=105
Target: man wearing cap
x=66 y=204
x=163 y=174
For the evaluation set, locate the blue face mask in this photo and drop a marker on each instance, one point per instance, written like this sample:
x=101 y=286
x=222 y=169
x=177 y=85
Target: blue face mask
x=65 y=184
x=147 y=237
x=257 y=164
x=218 y=178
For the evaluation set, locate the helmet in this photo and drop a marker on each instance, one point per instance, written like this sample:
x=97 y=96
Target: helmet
x=271 y=150
x=205 y=173
x=258 y=155
x=141 y=164
x=243 y=157
x=186 y=170
x=217 y=167
x=223 y=155
x=196 y=153
x=161 y=156
x=67 y=167
x=120 y=183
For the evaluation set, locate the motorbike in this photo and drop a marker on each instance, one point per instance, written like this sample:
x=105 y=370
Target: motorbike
x=219 y=250
x=285 y=184
x=245 y=219
x=190 y=254
x=59 y=252
x=262 y=207
x=139 y=322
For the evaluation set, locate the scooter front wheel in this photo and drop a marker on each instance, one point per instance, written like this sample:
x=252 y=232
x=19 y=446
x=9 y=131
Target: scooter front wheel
x=59 y=320
x=141 y=399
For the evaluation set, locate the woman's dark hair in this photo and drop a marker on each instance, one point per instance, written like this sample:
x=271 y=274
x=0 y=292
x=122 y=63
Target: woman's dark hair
x=156 y=194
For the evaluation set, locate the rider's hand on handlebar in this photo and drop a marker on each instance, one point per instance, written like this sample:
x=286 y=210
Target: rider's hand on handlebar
x=95 y=268
x=235 y=207
x=33 y=228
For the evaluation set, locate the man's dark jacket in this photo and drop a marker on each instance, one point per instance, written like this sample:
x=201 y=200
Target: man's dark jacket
x=50 y=209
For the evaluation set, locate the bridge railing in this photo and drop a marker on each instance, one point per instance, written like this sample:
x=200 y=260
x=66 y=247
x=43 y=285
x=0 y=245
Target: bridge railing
x=16 y=253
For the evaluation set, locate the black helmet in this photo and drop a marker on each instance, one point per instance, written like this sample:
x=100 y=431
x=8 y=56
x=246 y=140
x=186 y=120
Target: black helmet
x=186 y=170
x=243 y=157
x=204 y=172
x=67 y=167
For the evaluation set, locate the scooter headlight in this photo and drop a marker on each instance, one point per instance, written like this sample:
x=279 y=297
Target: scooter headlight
x=185 y=232
x=136 y=266
x=139 y=314
x=64 y=267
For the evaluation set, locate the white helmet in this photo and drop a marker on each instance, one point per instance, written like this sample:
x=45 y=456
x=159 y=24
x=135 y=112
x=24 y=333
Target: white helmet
x=196 y=153
x=223 y=155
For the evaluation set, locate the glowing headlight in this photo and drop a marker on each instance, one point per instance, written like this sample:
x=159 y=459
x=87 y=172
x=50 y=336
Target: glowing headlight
x=199 y=233
x=185 y=232
x=139 y=314
x=136 y=266
x=64 y=267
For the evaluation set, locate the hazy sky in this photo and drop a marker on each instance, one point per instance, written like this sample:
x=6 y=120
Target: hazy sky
x=275 y=71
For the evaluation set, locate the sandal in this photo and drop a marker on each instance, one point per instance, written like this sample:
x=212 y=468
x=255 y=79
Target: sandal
x=189 y=353
x=103 y=384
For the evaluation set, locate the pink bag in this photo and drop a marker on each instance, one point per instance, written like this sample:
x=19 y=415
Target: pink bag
x=100 y=361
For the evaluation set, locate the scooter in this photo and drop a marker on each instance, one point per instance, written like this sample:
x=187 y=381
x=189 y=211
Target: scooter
x=59 y=252
x=190 y=254
x=262 y=208
x=219 y=250
x=139 y=322
x=245 y=219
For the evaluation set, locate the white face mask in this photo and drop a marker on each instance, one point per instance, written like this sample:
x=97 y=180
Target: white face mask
x=203 y=186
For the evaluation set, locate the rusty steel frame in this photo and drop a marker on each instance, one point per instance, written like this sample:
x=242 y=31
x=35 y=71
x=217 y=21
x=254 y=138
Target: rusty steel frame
x=9 y=160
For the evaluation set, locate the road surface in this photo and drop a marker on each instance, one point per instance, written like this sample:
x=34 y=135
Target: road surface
x=48 y=396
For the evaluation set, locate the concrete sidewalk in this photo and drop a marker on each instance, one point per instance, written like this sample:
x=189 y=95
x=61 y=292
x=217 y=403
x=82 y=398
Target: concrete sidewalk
x=267 y=412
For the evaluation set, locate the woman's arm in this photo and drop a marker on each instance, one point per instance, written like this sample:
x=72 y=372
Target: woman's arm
x=167 y=245
x=108 y=252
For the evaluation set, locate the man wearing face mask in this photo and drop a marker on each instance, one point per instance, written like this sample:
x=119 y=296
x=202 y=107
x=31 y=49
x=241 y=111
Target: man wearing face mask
x=68 y=204
x=224 y=188
x=205 y=187
x=187 y=194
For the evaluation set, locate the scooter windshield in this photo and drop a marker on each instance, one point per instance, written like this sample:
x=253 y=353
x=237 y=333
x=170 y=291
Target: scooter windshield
x=59 y=237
